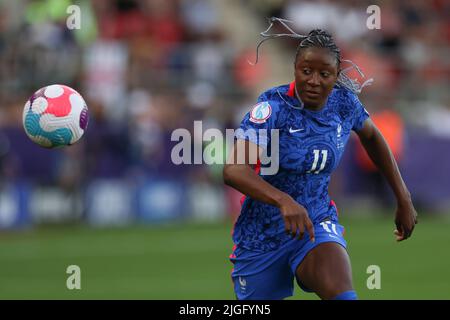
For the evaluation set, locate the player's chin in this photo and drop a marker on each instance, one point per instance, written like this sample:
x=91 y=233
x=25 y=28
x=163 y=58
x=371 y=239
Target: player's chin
x=312 y=103
x=312 y=100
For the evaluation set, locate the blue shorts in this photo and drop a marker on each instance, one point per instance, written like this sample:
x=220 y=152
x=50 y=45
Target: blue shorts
x=270 y=275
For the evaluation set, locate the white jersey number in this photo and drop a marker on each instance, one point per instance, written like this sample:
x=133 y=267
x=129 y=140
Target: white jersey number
x=316 y=161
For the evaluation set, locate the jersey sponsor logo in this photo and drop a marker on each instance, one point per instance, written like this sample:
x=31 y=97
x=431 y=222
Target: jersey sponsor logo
x=261 y=112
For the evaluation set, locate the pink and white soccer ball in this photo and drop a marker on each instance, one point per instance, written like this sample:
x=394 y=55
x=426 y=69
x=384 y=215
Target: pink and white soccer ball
x=55 y=116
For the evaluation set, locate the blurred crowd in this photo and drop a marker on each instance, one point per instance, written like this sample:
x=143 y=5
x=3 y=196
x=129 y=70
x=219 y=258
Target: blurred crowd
x=407 y=56
x=144 y=68
x=148 y=67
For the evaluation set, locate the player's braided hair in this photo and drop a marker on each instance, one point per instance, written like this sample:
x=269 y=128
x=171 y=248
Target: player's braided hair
x=322 y=39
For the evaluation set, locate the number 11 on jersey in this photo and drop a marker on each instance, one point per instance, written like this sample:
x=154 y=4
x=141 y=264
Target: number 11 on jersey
x=316 y=161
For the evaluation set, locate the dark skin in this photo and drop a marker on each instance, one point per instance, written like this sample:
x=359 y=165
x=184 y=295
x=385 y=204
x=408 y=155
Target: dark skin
x=326 y=269
x=315 y=74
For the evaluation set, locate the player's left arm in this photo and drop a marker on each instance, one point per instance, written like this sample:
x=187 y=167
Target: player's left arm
x=381 y=155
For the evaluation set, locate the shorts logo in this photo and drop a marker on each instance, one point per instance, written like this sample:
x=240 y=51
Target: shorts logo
x=261 y=112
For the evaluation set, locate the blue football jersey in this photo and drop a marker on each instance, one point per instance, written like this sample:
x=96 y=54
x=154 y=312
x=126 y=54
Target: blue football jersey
x=311 y=144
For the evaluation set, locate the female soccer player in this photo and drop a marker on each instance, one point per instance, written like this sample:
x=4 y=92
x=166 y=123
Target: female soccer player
x=288 y=226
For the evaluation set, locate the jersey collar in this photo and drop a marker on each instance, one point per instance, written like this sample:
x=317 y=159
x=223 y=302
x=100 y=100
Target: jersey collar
x=290 y=98
x=291 y=91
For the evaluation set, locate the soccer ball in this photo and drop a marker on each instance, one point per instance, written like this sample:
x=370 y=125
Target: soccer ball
x=55 y=116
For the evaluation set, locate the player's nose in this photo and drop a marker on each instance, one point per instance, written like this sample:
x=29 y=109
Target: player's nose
x=314 y=79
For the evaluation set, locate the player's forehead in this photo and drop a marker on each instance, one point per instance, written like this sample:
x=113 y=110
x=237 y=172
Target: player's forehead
x=317 y=56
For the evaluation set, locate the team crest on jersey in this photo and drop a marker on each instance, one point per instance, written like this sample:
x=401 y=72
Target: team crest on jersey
x=261 y=112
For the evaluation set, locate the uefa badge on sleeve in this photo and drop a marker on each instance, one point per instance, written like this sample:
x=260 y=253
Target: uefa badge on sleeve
x=261 y=112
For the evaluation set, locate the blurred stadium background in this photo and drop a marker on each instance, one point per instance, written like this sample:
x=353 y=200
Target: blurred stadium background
x=141 y=227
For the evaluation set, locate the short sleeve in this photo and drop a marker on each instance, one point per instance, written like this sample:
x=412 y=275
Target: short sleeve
x=360 y=114
x=257 y=124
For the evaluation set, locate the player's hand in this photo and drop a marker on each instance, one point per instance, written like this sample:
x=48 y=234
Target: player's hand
x=296 y=219
x=405 y=220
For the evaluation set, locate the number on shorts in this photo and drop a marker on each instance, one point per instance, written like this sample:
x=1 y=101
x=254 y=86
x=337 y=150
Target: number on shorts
x=326 y=225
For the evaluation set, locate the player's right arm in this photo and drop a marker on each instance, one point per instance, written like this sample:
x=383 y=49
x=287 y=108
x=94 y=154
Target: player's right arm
x=239 y=174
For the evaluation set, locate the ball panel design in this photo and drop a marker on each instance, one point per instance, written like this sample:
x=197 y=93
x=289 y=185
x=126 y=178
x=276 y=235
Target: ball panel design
x=60 y=106
x=60 y=133
x=84 y=119
x=39 y=105
x=53 y=91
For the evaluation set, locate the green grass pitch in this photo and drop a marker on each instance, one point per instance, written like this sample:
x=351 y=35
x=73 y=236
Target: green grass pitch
x=191 y=261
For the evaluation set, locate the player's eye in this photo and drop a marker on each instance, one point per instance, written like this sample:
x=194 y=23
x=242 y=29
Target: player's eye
x=325 y=74
x=306 y=71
